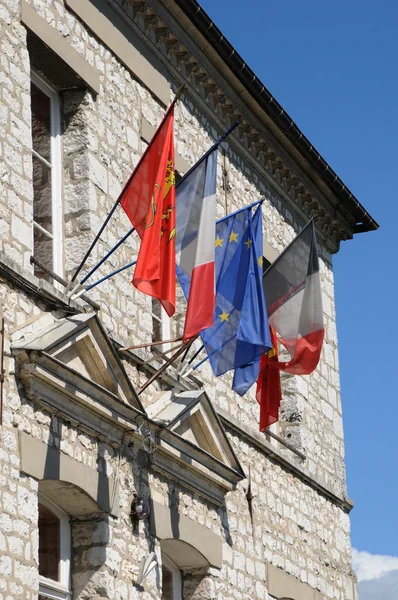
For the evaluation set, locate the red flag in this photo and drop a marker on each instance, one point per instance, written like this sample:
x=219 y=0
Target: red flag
x=149 y=202
x=268 y=392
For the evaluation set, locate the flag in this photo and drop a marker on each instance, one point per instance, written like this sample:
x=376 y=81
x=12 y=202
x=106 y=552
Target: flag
x=240 y=333
x=269 y=393
x=149 y=202
x=292 y=289
x=196 y=227
x=245 y=376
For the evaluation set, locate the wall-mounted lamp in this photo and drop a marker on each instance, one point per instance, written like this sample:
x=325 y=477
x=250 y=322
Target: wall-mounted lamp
x=140 y=508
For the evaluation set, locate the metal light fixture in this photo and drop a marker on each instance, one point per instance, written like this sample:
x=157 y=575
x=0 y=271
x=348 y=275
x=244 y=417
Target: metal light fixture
x=140 y=508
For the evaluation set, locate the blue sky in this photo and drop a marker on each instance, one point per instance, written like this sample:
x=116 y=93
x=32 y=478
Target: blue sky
x=333 y=67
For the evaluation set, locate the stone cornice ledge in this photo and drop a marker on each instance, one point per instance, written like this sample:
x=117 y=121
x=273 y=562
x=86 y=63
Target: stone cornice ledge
x=258 y=440
x=40 y=289
x=172 y=36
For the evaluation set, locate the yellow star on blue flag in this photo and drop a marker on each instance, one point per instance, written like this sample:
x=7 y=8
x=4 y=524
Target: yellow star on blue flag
x=224 y=316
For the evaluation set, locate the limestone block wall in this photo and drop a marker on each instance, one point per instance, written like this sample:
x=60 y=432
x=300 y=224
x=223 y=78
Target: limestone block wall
x=296 y=528
x=16 y=192
x=102 y=143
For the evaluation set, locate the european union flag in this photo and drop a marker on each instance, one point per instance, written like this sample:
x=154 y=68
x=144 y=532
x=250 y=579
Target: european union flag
x=240 y=334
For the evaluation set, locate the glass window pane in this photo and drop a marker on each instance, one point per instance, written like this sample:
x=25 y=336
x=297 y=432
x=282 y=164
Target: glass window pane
x=42 y=200
x=43 y=252
x=43 y=249
x=41 y=122
x=49 y=543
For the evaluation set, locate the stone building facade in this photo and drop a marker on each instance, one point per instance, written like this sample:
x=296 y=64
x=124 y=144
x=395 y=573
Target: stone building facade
x=84 y=83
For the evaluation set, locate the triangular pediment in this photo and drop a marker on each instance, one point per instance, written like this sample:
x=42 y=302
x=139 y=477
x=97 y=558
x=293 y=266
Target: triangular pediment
x=195 y=433
x=78 y=347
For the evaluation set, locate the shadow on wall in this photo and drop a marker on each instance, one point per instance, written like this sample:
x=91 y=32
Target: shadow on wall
x=140 y=471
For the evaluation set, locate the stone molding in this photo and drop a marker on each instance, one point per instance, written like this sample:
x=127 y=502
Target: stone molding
x=44 y=462
x=48 y=293
x=204 y=546
x=259 y=440
x=281 y=585
x=60 y=46
x=71 y=365
x=106 y=24
x=194 y=449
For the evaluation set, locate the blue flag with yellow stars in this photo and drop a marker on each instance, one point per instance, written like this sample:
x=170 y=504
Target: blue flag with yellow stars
x=240 y=334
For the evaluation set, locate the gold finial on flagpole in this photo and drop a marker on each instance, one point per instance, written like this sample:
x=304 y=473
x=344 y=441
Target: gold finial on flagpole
x=178 y=94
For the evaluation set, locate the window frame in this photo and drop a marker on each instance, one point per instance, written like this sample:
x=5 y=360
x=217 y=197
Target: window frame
x=176 y=576
x=56 y=172
x=58 y=590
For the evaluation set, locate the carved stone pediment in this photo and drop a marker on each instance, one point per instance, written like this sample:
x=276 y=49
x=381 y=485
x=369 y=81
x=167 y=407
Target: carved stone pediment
x=71 y=367
x=74 y=359
x=193 y=446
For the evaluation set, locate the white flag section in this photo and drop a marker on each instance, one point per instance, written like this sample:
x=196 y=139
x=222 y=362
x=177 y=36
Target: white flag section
x=195 y=240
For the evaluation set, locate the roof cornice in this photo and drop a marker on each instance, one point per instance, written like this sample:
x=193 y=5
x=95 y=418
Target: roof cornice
x=266 y=133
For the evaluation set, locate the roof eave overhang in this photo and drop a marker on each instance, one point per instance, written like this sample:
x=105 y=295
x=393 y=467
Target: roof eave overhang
x=340 y=214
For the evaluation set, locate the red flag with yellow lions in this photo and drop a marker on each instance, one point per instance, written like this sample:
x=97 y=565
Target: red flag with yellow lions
x=149 y=202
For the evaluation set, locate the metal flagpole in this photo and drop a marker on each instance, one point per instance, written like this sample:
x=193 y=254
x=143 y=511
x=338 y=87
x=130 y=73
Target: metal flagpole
x=107 y=255
x=119 y=198
x=160 y=355
x=133 y=263
x=214 y=146
x=77 y=288
x=83 y=281
x=93 y=285
x=196 y=354
x=239 y=211
x=166 y=364
x=206 y=358
x=151 y=344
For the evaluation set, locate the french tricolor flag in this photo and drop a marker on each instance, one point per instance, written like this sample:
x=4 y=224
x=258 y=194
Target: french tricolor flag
x=196 y=232
x=292 y=290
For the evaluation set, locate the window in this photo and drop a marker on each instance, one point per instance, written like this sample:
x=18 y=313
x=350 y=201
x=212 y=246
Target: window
x=54 y=552
x=171 y=580
x=47 y=176
x=161 y=322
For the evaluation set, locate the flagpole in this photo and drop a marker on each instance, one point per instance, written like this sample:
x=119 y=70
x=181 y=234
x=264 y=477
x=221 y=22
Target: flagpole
x=207 y=358
x=212 y=335
x=214 y=146
x=93 y=285
x=194 y=356
x=160 y=342
x=239 y=211
x=167 y=364
x=120 y=242
x=133 y=263
x=119 y=198
x=311 y=221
